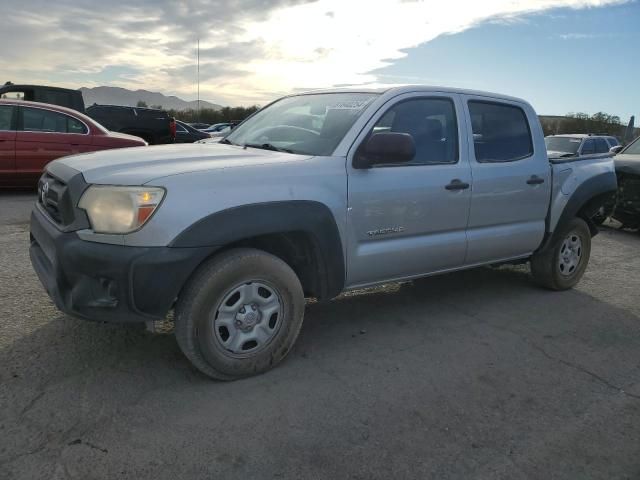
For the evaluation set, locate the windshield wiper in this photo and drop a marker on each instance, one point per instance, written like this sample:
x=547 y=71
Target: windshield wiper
x=267 y=146
x=226 y=142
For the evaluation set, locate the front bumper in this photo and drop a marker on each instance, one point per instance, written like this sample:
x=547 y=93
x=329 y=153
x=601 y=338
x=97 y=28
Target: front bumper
x=111 y=283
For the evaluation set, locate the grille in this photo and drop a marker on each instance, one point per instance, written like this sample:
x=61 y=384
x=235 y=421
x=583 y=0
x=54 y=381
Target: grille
x=53 y=196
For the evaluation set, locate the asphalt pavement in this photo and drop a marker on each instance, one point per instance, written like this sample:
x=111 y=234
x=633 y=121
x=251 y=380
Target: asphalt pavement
x=474 y=375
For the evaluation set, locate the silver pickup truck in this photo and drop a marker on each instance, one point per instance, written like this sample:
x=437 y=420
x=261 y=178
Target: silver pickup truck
x=313 y=195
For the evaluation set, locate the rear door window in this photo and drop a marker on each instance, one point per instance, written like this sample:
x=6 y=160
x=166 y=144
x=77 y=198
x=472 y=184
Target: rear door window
x=501 y=132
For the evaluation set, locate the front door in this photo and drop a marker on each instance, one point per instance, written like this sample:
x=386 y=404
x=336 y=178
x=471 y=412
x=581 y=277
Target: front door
x=511 y=180
x=410 y=219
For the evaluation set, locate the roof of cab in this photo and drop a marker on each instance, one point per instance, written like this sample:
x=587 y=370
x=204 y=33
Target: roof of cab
x=393 y=91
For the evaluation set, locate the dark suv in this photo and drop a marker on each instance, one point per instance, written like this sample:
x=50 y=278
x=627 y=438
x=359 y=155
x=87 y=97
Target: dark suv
x=63 y=97
x=154 y=126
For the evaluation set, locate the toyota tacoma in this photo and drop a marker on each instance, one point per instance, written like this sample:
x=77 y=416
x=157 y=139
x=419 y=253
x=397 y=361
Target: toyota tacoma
x=315 y=194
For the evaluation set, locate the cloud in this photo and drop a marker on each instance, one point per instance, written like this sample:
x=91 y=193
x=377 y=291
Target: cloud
x=251 y=50
x=586 y=36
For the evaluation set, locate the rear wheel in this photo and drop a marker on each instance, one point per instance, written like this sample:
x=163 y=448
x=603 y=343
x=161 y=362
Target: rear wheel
x=562 y=264
x=240 y=314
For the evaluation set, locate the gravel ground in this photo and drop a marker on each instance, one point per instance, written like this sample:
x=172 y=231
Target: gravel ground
x=477 y=375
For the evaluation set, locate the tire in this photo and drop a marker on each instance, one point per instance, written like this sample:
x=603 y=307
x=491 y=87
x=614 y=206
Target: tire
x=239 y=314
x=556 y=267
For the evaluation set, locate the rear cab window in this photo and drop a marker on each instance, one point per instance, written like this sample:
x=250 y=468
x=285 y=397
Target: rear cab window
x=501 y=132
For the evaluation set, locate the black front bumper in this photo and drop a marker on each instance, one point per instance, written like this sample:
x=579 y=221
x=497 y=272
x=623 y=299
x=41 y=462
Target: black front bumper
x=113 y=283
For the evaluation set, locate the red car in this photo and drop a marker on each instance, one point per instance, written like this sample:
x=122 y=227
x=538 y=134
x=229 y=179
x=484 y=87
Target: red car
x=32 y=134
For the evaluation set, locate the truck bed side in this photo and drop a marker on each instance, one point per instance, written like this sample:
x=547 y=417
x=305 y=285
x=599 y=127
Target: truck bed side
x=575 y=183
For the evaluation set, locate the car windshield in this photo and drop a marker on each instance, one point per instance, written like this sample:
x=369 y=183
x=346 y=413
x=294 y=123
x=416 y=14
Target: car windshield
x=311 y=124
x=563 y=144
x=634 y=148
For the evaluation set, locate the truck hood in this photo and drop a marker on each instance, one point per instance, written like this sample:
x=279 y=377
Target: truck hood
x=140 y=165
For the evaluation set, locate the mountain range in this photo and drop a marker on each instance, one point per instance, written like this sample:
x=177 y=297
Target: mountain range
x=123 y=96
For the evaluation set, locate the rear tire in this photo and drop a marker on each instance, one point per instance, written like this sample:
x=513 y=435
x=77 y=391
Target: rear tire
x=240 y=314
x=561 y=265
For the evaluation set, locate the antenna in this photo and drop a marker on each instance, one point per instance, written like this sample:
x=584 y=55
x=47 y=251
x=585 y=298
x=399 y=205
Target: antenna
x=198 y=76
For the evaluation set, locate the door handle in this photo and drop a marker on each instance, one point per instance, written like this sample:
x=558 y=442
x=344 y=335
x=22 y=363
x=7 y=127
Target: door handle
x=457 y=184
x=535 y=180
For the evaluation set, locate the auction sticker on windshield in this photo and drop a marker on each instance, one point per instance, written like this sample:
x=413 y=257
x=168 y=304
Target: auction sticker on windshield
x=351 y=104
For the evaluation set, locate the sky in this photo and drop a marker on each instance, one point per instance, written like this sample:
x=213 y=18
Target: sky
x=561 y=55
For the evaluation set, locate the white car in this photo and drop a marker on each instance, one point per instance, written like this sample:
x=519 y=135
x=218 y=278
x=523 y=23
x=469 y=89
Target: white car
x=215 y=136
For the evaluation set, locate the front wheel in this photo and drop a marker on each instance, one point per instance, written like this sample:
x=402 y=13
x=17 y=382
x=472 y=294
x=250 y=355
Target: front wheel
x=240 y=314
x=561 y=265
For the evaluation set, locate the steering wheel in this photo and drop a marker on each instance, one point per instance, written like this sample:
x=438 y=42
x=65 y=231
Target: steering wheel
x=307 y=134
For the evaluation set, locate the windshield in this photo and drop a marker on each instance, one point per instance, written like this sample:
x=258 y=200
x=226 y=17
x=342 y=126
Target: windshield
x=306 y=124
x=563 y=144
x=634 y=148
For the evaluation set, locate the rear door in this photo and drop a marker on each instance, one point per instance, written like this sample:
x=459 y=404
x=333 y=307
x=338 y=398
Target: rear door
x=410 y=219
x=44 y=135
x=511 y=180
x=8 y=119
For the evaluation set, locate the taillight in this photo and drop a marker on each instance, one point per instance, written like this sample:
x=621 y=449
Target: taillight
x=172 y=128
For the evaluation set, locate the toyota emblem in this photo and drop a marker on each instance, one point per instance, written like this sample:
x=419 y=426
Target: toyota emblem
x=43 y=193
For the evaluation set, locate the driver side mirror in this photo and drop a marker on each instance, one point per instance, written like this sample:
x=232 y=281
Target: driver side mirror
x=616 y=150
x=385 y=148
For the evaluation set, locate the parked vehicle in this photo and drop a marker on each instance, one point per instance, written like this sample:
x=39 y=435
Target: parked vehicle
x=185 y=133
x=627 y=205
x=211 y=139
x=63 y=97
x=579 y=144
x=199 y=126
x=216 y=127
x=377 y=186
x=221 y=133
x=154 y=126
x=33 y=134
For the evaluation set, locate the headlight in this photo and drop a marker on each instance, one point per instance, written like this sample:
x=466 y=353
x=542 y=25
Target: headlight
x=119 y=209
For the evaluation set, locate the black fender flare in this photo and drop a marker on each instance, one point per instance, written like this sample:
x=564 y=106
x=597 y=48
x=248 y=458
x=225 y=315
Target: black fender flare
x=246 y=221
x=586 y=199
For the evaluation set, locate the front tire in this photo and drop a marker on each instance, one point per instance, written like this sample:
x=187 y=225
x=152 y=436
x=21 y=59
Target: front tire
x=561 y=265
x=240 y=314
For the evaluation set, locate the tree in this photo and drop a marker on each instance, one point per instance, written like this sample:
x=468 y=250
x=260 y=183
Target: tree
x=141 y=104
x=211 y=116
x=580 y=122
